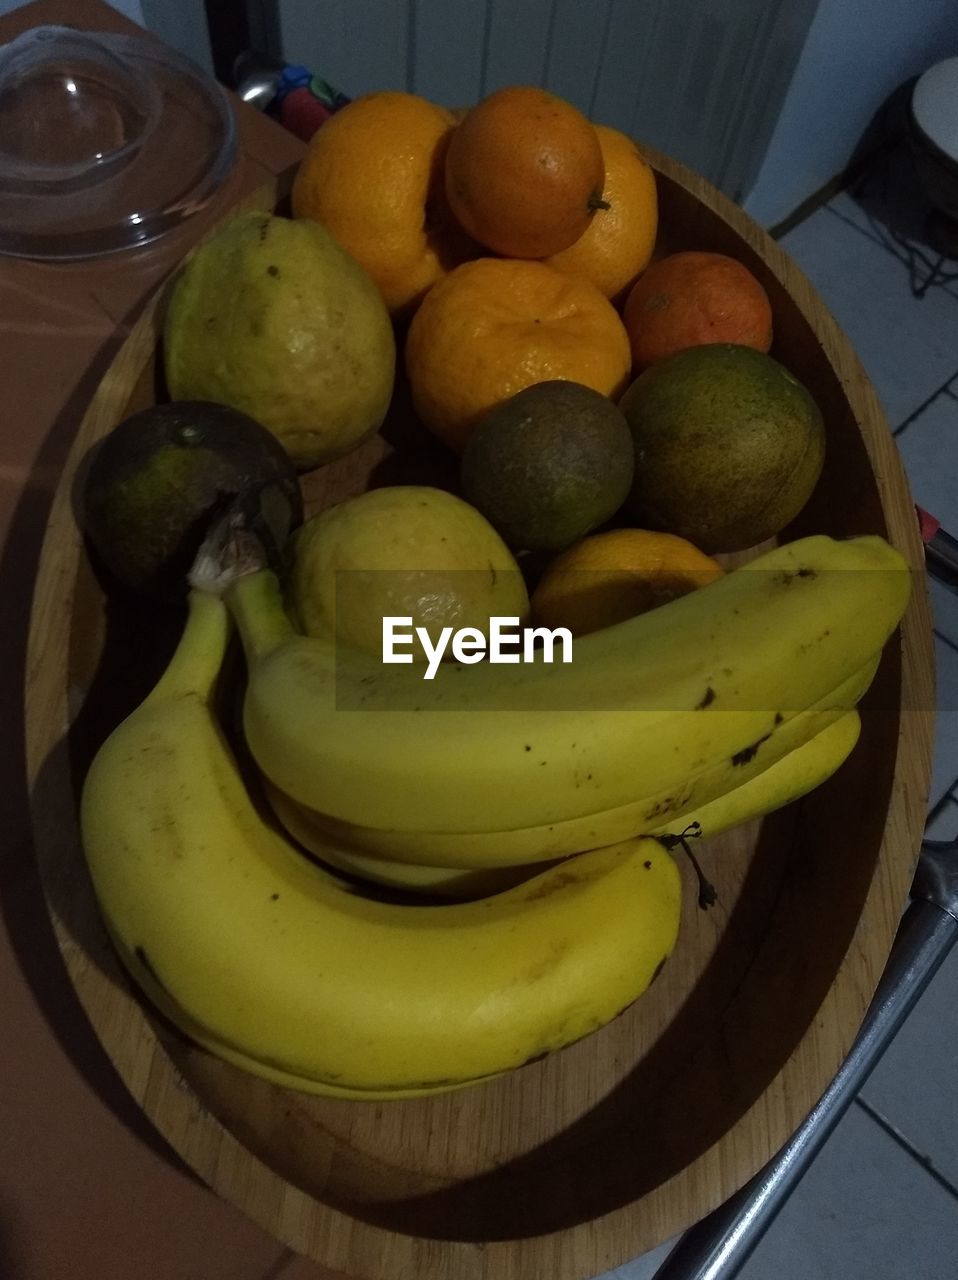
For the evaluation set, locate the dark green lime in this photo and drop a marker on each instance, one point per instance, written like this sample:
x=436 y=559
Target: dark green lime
x=157 y=481
x=728 y=446
x=548 y=465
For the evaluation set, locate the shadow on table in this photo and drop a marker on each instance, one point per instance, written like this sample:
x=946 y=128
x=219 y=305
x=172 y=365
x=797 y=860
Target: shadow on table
x=22 y=903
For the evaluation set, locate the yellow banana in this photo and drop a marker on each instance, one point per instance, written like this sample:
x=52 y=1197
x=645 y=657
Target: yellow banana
x=643 y=705
x=304 y=1084
x=439 y=882
x=787 y=778
x=269 y=960
x=488 y=850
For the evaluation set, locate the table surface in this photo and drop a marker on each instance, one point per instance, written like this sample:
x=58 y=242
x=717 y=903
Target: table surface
x=88 y=1190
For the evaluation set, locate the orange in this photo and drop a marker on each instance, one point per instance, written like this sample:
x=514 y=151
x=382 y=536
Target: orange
x=372 y=175
x=617 y=245
x=495 y=326
x=524 y=172
x=693 y=298
x=615 y=575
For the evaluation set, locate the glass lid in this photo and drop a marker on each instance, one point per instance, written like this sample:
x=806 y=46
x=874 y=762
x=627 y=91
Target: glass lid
x=106 y=142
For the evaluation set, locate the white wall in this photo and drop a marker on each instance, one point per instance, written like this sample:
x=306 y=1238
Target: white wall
x=702 y=81
x=856 y=54
x=132 y=9
x=182 y=24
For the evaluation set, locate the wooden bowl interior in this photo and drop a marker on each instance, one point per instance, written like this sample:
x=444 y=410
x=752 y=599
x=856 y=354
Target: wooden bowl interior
x=645 y=1125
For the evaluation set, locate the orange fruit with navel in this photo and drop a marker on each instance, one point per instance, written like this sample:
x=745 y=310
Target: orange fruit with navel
x=495 y=326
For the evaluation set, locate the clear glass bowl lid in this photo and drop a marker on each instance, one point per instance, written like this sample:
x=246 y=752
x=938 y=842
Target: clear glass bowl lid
x=106 y=142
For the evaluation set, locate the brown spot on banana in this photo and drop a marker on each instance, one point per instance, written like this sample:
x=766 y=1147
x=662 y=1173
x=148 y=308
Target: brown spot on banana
x=749 y=753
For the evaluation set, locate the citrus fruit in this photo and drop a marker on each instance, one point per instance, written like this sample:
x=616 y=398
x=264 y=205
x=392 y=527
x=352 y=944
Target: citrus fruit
x=373 y=176
x=549 y=464
x=615 y=575
x=524 y=172
x=407 y=551
x=272 y=317
x=728 y=446
x=617 y=245
x=689 y=299
x=495 y=326
x=156 y=482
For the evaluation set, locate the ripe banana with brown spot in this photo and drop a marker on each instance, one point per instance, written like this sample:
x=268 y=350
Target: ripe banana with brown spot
x=488 y=850
x=787 y=779
x=783 y=782
x=643 y=706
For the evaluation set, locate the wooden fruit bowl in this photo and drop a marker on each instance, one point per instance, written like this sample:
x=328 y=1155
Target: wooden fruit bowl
x=577 y=1163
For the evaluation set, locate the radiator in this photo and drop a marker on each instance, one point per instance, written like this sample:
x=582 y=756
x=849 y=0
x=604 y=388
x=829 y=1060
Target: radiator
x=702 y=80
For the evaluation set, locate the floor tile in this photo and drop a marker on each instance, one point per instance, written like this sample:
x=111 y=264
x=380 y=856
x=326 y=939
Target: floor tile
x=643 y=1268
x=914 y=1084
x=944 y=607
x=929 y=450
x=907 y=345
x=945 y=769
x=943 y=824
x=888 y=203
x=887 y=199
x=866 y=1210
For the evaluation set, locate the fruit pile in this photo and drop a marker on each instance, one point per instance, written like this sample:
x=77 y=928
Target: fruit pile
x=397 y=878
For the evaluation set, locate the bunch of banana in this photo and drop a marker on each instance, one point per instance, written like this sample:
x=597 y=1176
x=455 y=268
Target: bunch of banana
x=787 y=779
x=277 y=965
x=534 y=791
x=717 y=707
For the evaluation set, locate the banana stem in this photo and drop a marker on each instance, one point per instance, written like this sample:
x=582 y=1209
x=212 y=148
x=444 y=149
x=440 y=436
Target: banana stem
x=256 y=603
x=199 y=655
x=232 y=565
x=707 y=894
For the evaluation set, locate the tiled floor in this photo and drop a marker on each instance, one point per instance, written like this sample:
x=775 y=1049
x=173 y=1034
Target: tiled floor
x=881 y=1200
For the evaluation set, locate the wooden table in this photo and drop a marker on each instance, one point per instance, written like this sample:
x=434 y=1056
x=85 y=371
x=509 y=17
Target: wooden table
x=87 y=1189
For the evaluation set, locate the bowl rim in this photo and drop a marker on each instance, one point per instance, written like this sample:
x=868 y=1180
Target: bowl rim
x=333 y=1237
